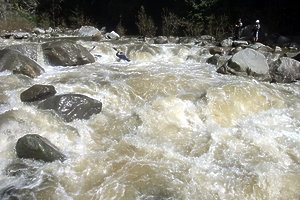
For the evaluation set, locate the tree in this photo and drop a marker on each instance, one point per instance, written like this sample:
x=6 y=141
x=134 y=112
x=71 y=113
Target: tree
x=145 y=23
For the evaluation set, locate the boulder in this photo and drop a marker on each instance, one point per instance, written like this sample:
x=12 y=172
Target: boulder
x=21 y=35
x=297 y=57
x=216 y=50
x=226 y=43
x=39 y=31
x=161 y=40
x=112 y=35
x=29 y=50
x=218 y=60
x=37 y=93
x=18 y=63
x=213 y=59
x=247 y=62
x=88 y=31
x=63 y=53
x=239 y=43
x=72 y=106
x=39 y=148
x=285 y=70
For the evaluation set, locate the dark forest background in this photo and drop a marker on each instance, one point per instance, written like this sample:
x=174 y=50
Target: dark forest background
x=149 y=17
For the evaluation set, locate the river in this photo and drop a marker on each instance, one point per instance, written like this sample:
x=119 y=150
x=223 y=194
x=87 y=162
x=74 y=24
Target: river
x=171 y=128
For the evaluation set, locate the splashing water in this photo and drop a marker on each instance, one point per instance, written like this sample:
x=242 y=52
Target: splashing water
x=171 y=128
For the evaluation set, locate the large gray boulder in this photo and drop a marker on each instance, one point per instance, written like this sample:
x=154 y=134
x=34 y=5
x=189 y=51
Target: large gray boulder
x=285 y=70
x=37 y=93
x=18 y=63
x=247 y=62
x=64 y=53
x=29 y=50
x=88 y=31
x=39 y=148
x=72 y=106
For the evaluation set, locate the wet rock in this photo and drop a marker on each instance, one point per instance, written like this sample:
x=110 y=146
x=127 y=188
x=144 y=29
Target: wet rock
x=39 y=31
x=112 y=35
x=8 y=192
x=213 y=60
x=261 y=47
x=19 y=168
x=216 y=50
x=161 y=40
x=174 y=40
x=29 y=50
x=37 y=147
x=285 y=70
x=277 y=49
x=239 y=43
x=247 y=62
x=21 y=35
x=18 y=63
x=63 y=53
x=37 y=93
x=297 y=57
x=88 y=31
x=218 y=60
x=207 y=37
x=226 y=43
x=72 y=106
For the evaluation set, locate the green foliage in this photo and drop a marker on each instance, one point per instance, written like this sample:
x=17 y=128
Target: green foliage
x=145 y=24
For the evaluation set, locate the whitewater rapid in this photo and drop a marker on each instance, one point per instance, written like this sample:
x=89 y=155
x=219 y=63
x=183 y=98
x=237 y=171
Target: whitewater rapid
x=171 y=128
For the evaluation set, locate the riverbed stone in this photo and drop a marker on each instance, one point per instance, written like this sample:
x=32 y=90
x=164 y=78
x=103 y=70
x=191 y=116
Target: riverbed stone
x=37 y=93
x=66 y=53
x=72 y=106
x=39 y=148
x=18 y=63
x=285 y=70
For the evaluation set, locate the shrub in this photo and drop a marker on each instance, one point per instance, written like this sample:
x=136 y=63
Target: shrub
x=120 y=28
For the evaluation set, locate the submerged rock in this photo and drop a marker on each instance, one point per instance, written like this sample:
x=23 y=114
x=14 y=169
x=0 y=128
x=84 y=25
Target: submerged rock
x=18 y=63
x=64 y=53
x=37 y=93
x=285 y=70
x=39 y=148
x=72 y=106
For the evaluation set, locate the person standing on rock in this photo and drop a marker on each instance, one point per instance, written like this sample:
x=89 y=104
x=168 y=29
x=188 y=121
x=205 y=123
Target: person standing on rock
x=256 y=28
x=238 y=27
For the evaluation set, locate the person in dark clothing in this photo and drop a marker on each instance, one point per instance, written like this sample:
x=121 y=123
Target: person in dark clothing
x=238 y=27
x=122 y=56
x=256 y=28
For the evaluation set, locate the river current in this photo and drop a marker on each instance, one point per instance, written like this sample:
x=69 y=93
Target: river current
x=171 y=128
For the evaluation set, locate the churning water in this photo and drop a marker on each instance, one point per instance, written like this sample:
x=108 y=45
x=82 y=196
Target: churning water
x=171 y=128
